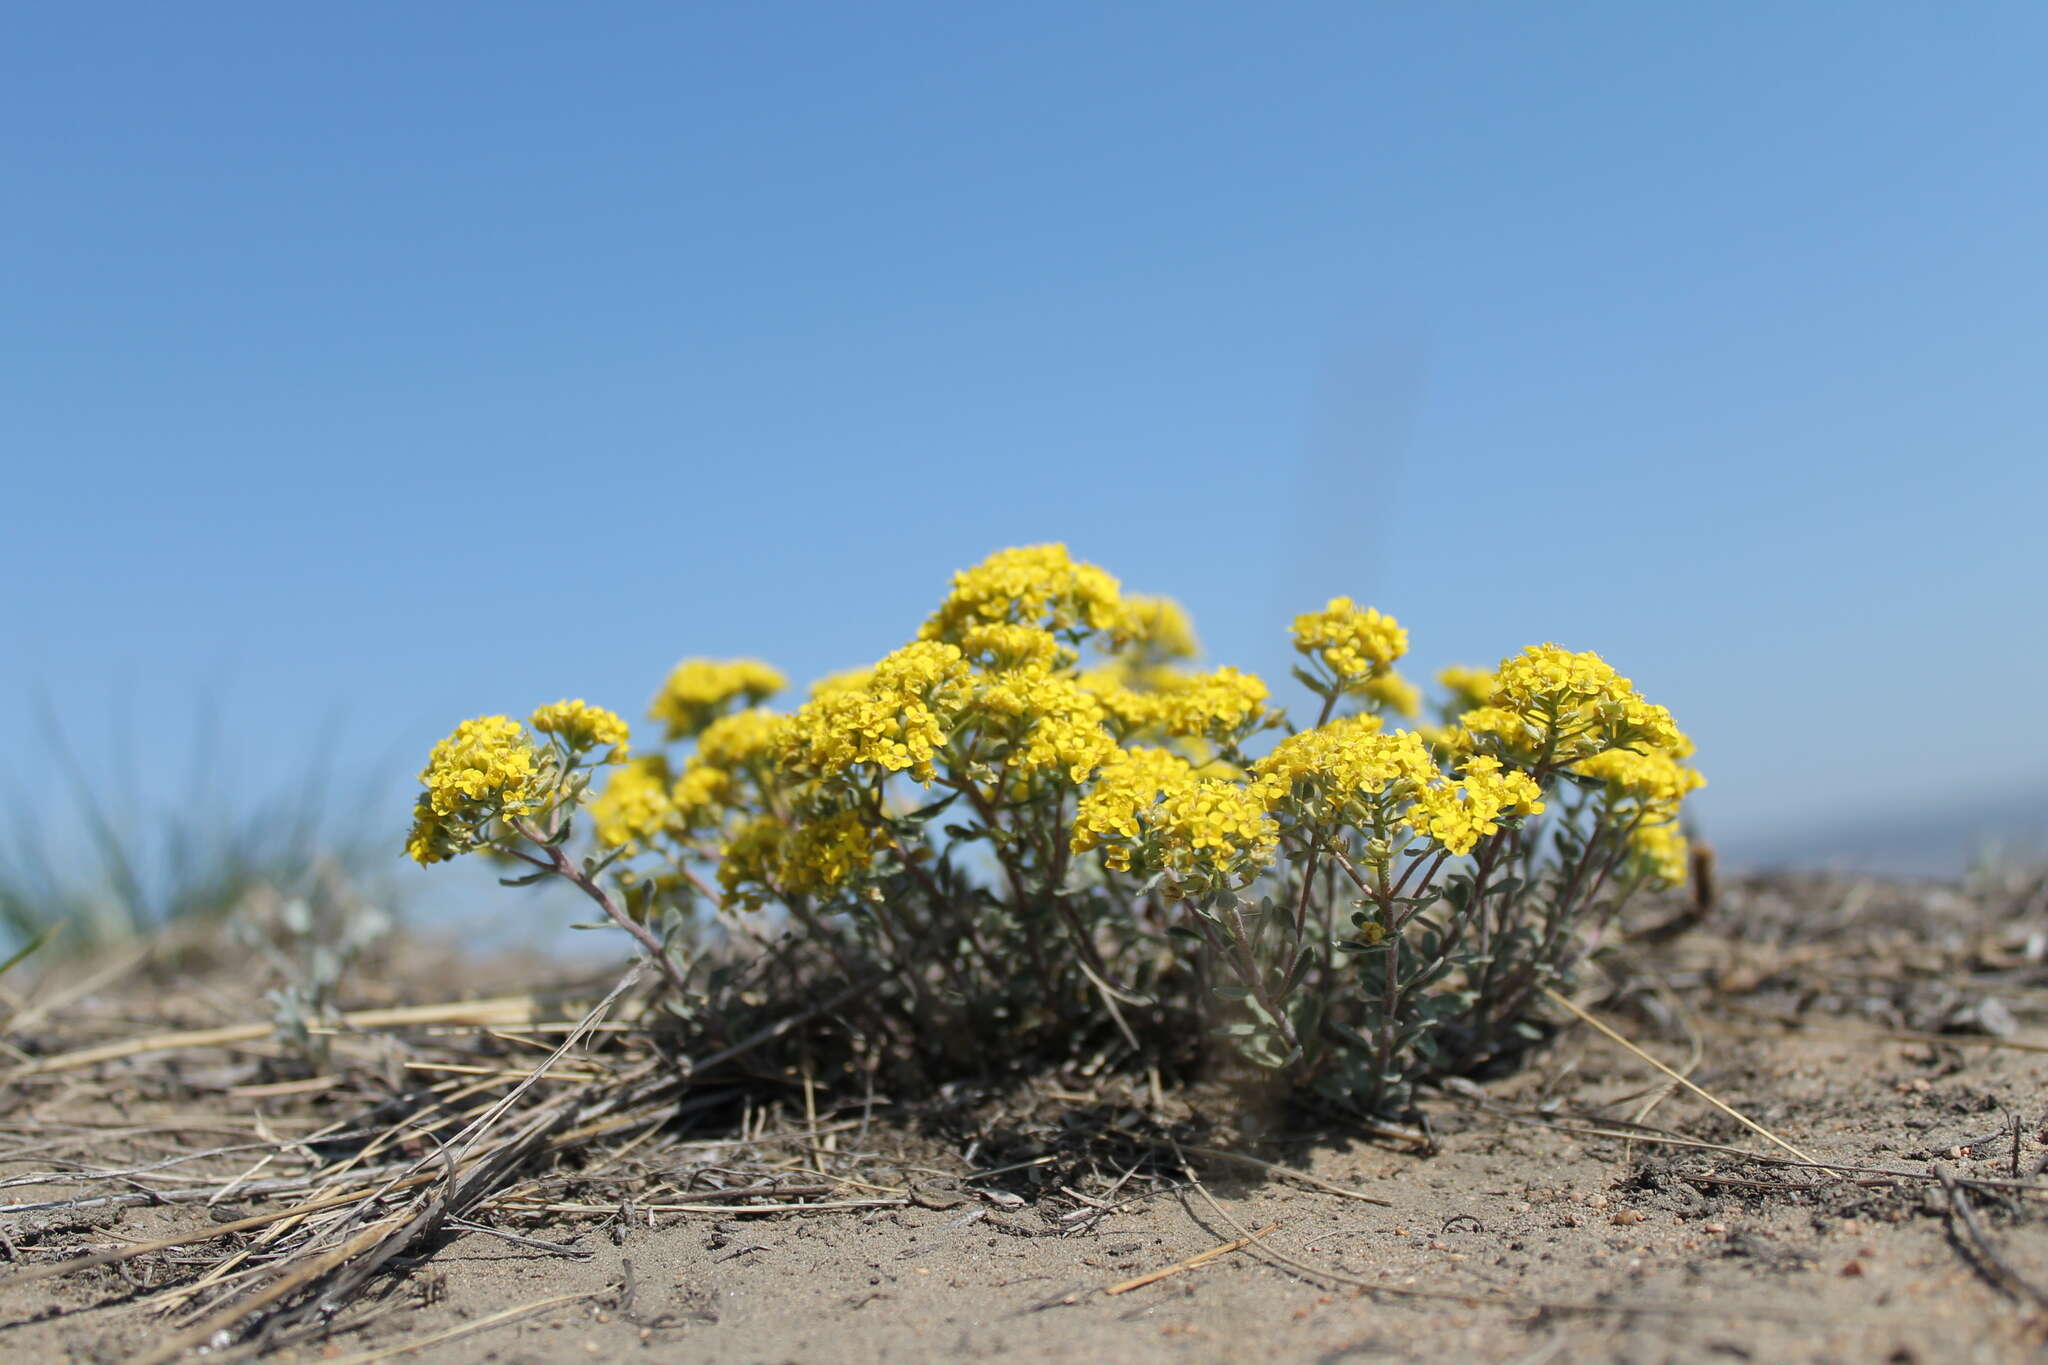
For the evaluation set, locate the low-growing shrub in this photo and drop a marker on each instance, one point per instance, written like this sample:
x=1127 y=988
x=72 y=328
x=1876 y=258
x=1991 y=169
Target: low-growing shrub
x=1035 y=822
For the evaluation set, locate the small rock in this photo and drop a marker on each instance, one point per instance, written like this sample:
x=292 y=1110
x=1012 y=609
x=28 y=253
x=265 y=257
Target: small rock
x=1987 y=1016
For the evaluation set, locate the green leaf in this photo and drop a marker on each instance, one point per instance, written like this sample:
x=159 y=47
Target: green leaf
x=923 y=813
x=1310 y=681
x=22 y=953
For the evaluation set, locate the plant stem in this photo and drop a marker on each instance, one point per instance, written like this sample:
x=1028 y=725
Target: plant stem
x=1308 y=866
x=563 y=867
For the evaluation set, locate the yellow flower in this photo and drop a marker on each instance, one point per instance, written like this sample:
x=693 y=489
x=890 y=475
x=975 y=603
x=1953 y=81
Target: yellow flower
x=698 y=691
x=1132 y=709
x=1512 y=733
x=741 y=738
x=486 y=769
x=1469 y=687
x=1661 y=852
x=1045 y=722
x=1394 y=693
x=488 y=763
x=431 y=839
x=847 y=680
x=1213 y=830
x=1652 y=777
x=1149 y=803
x=1447 y=742
x=748 y=861
x=1002 y=647
x=822 y=855
x=898 y=721
x=582 y=726
x=1223 y=705
x=635 y=804
x=1321 y=774
x=762 y=859
x=1353 y=642
x=1457 y=815
x=700 y=794
x=1158 y=629
x=1036 y=585
x=1129 y=783
x=1580 y=702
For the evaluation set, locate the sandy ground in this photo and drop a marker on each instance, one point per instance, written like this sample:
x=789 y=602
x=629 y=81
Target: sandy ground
x=1550 y=1246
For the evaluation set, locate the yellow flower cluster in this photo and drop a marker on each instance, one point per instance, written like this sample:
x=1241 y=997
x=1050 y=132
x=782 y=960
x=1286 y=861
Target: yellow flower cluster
x=1221 y=705
x=699 y=690
x=898 y=720
x=1224 y=705
x=1509 y=732
x=487 y=762
x=1322 y=773
x=748 y=861
x=1035 y=585
x=741 y=738
x=1107 y=817
x=1394 y=693
x=1349 y=771
x=1646 y=787
x=1469 y=687
x=1580 y=701
x=1353 y=642
x=1661 y=851
x=817 y=857
x=1001 y=647
x=486 y=768
x=846 y=680
x=635 y=805
x=1458 y=814
x=1149 y=804
x=582 y=727
x=1213 y=830
x=701 y=794
x=1158 y=628
x=1054 y=723
x=1653 y=777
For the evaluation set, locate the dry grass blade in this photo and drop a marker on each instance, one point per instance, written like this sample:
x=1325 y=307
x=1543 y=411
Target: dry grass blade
x=498 y=1319
x=519 y=1009
x=129 y=1253
x=1200 y=1258
x=1716 y=1101
x=346 y=1267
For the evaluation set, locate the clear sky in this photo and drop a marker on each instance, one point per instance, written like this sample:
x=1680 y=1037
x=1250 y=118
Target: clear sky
x=417 y=361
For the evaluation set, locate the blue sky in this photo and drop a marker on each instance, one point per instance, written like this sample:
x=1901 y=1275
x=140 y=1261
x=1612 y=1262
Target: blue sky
x=420 y=361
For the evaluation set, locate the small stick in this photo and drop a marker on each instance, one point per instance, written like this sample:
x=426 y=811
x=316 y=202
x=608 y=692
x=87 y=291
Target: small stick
x=1192 y=1262
x=1725 y=1108
x=1995 y=1266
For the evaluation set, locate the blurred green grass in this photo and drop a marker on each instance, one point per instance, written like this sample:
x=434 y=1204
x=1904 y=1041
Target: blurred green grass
x=92 y=858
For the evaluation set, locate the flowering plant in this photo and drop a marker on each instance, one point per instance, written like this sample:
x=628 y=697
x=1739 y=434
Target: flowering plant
x=1041 y=827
